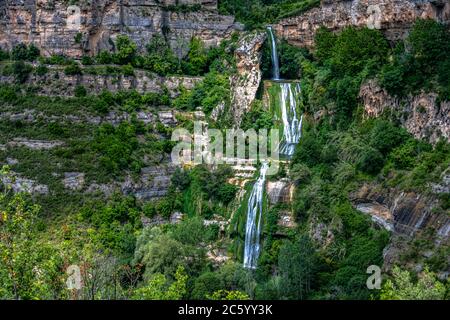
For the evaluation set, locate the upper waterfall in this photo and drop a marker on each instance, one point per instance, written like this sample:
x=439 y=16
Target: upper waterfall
x=275 y=62
x=292 y=124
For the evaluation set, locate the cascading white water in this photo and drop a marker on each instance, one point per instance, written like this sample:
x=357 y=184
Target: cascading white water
x=292 y=129
x=254 y=217
x=292 y=125
x=275 y=63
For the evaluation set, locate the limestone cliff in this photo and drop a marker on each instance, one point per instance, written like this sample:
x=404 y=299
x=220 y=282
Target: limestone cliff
x=56 y=83
x=423 y=115
x=411 y=218
x=245 y=83
x=55 y=25
x=393 y=17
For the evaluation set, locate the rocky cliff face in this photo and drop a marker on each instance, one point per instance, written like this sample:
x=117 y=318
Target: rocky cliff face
x=411 y=219
x=393 y=17
x=54 y=25
x=56 y=83
x=404 y=213
x=422 y=115
x=245 y=83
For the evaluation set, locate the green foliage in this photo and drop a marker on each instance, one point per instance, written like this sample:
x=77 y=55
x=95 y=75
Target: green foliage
x=126 y=50
x=115 y=223
x=197 y=58
x=228 y=295
x=212 y=185
x=258 y=13
x=158 y=252
x=384 y=136
x=158 y=287
x=21 y=71
x=21 y=254
x=4 y=55
x=117 y=146
x=290 y=58
x=421 y=63
x=213 y=90
x=56 y=59
x=77 y=38
x=24 y=52
x=370 y=161
x=160 y=58
x=72 y=69
x=257 y=118
x=80 y=91
x=402 y=287
x=355 y=50
x=41 y=70
x=87 y=60
x=206 y=284
x=296 y=266
x=104 y=57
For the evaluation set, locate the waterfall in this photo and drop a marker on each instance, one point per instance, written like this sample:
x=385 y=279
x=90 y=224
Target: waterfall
x=292 y=130
x=254 y=217
x=275 y=65
x=292 y=125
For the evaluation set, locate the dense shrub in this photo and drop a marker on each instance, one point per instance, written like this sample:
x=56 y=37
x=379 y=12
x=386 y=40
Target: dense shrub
x=421 y=63
x=258 y=13
x=72 y=69
x=117 y=144
x=196 y=62
x=80 y=91
x=21 y=71
x=41 y=70
x=24 y=52
x=126 y=50
x=384 y=136
x=160 y=58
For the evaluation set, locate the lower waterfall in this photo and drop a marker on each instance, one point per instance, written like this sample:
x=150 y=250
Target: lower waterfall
x=254 y=217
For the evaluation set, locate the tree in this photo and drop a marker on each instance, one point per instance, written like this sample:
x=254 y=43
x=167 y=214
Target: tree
x=402 y=287
x=126 y=50
x=228 y=295
x=72 y=69
x=160 y=58
x=158 y=287
x=28 y=269
x=206 y=284
x=21 y=71
x=296 y=267
x=197 y=58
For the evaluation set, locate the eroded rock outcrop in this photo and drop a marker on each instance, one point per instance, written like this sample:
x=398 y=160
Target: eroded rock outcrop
x=245 y=83
x=58 y=27
x=422 y=115
x=393 y=17
x=405 y=213
x=279 y=191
